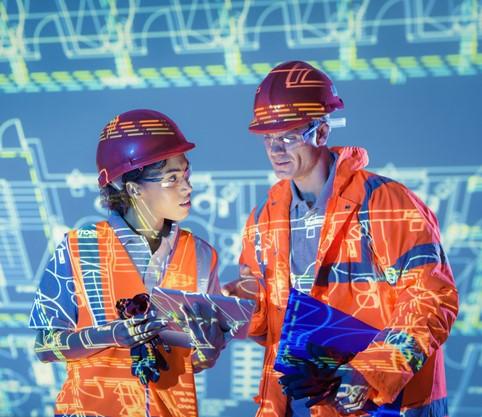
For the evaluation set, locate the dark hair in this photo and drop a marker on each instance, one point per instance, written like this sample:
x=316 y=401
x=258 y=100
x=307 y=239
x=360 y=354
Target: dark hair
x=119 y=200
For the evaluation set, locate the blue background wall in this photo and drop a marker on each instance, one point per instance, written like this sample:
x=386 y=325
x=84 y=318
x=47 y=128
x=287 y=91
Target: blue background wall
x=409 y=72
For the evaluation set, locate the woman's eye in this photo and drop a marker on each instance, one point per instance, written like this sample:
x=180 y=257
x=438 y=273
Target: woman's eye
x=172 y=178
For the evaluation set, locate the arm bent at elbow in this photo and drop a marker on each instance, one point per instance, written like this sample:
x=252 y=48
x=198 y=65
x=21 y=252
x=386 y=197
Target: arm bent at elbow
x=63 y=345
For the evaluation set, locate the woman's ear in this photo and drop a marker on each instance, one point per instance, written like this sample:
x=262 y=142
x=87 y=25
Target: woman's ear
x=132 y=189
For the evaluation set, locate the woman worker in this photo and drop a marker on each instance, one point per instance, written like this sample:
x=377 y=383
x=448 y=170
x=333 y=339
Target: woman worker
x=114 y=368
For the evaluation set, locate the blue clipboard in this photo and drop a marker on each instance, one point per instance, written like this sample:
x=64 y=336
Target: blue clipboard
x=338 y=337
x=309 y=321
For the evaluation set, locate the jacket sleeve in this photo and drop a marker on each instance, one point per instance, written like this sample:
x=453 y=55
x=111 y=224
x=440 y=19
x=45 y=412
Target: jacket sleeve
x=406 y=243
x=213 y=285
x=55 y=303
x=250 y=238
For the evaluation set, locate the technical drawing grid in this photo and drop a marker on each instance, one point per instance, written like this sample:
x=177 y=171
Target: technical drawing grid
x=63 y=60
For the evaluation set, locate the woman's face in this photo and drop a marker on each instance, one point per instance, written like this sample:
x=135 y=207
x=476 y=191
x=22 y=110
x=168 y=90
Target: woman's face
x=163 y=193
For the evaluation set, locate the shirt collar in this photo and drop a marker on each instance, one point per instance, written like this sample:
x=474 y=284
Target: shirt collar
x=127 y=236
x=124 y=233
x=172 y=236
x=296 y=199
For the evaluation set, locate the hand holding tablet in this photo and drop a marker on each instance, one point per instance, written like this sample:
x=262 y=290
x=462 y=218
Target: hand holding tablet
x=178 y=307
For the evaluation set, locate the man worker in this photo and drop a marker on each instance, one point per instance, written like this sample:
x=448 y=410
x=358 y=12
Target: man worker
x=359 y=242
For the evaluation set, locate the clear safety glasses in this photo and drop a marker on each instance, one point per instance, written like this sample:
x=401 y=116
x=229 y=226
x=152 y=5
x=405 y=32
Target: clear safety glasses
x=171 y=180
x=293 y=140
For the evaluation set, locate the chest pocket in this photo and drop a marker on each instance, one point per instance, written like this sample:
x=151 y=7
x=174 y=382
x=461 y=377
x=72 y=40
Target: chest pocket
x=382 y=272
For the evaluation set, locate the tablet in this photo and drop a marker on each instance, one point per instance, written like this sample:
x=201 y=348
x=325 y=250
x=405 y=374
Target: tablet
x=233 y=312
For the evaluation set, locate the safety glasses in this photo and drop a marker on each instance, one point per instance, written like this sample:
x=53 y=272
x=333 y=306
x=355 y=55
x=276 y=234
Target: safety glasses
x=171 y=180
x=293 y=140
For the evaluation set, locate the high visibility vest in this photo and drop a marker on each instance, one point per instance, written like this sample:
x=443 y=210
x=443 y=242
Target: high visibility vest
x=102 y=384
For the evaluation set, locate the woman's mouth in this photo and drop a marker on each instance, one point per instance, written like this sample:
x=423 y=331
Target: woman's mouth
x=186 y=204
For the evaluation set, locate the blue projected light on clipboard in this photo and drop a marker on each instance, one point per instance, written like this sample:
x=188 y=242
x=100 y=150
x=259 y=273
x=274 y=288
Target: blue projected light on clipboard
x=315 y=331
x=309 y=321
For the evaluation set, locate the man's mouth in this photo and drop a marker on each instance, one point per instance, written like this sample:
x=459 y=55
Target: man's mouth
x=186 y=204
x=281 y=163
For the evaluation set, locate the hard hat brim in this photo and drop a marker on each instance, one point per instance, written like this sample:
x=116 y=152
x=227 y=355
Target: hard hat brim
x=142 y=162
x=282 y=126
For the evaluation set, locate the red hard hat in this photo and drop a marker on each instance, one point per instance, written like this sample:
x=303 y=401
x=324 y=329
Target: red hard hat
x=292 y=94
x=135 y=139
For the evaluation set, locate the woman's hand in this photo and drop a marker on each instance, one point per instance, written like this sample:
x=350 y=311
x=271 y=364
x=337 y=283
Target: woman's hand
x=129 y=332
x=208 y=336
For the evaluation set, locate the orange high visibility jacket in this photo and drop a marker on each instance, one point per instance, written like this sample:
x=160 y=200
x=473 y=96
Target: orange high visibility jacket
x=380 y=260
x=102 y=384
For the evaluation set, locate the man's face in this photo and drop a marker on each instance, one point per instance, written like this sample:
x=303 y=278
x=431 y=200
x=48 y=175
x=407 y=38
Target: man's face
x=166 y=193
x=290 y=156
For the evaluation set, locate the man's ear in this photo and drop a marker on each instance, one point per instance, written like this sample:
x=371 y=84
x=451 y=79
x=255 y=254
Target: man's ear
x=322 y=134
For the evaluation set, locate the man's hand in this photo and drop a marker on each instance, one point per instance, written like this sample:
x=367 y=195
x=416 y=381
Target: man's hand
x=246 y=286
x=328 y=378
x=209 y=337
x=310 y=381
x=353 y=392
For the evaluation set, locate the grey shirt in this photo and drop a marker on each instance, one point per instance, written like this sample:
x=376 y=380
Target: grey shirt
x=305 y=227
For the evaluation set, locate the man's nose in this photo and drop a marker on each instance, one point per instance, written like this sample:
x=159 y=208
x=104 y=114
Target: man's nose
x=276 y=147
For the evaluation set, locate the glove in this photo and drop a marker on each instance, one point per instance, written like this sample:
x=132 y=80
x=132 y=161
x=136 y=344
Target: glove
x=353 y=392
x=328 y=378
x=310 y=381
x=126 y=333
x=147 y=361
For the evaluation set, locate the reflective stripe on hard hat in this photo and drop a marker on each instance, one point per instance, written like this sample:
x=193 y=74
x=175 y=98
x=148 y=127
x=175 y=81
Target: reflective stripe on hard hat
x=293 y=94
x=135 y=139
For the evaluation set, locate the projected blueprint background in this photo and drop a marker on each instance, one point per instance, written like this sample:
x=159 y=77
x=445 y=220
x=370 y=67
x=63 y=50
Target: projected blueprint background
x=409 y=72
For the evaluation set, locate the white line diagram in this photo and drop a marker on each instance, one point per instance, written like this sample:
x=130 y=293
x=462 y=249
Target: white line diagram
x=37 y=207
x=225 y=31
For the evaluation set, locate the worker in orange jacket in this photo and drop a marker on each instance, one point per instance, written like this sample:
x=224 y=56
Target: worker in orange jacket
x=359 y=242
x=91 y=309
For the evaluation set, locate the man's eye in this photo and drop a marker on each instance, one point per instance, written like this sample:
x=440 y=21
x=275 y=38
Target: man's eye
x=172 y=178
x=288 y=139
